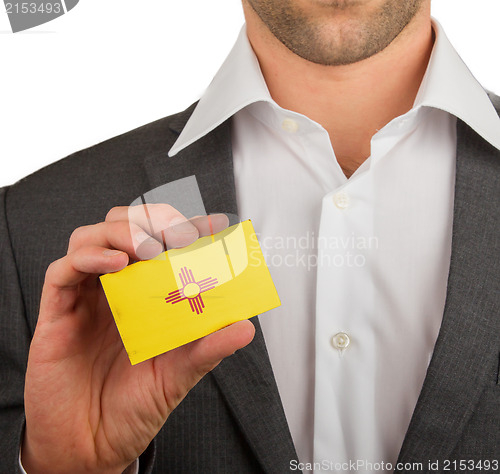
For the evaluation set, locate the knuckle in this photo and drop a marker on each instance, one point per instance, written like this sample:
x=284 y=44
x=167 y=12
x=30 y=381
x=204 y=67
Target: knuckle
x=112 y=213
x=167 y=207
x=82 y=236
x=52 y=270
x=161 y=208
x=77 y=235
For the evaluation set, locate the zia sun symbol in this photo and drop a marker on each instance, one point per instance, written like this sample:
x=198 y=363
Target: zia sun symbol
x=191 y=290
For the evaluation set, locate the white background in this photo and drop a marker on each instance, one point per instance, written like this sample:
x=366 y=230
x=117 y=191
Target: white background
x=109 y=66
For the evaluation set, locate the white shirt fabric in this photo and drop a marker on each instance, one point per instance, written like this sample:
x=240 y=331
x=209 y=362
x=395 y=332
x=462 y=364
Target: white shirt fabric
x=362 y=260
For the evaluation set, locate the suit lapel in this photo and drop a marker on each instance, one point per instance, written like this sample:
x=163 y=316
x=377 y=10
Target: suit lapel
x=209 y=159
x=246 y=379
x=466 y=349
x=247 y=382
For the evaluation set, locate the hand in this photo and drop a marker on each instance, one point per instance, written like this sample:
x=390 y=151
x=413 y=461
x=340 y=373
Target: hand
x=87 y=408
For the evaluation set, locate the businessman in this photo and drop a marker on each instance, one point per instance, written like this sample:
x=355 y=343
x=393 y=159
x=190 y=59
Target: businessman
x=351 y=131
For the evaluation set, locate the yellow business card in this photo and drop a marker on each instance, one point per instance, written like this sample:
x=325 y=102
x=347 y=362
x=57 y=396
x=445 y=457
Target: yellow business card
x=185 y=294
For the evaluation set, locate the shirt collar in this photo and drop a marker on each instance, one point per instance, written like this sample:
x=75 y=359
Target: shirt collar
x=447 y=85
x=450 y=86
x=238 y=83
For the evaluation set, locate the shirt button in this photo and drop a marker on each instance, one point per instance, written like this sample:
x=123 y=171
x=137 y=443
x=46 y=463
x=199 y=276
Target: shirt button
x=341 y=200
x=340 y=341
x=290 y=125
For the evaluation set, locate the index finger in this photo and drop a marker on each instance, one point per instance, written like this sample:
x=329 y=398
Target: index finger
x=167 y=224
x=162 y=221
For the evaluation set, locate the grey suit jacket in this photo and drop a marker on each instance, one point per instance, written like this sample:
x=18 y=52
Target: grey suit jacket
x=233 y=420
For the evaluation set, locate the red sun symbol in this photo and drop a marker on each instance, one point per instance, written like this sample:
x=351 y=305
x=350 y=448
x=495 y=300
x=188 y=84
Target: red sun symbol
x=191 y=290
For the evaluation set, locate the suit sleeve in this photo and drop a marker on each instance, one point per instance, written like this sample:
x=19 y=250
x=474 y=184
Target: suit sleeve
x=15 y=338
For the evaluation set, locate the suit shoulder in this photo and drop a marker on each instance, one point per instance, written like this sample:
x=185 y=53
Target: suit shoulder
x=82 y=187
x=154 y=137
x=119 y=159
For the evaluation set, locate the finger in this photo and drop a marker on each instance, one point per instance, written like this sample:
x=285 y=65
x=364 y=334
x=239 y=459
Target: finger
x=206 y=225
x=189 y=363
x=210 y=350
x=165 y=223
x=62 y=279
x=211 y=224
x=118 y=235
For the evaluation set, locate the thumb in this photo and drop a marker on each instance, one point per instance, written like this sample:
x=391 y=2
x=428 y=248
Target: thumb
x=182 y=368
x=207 y=352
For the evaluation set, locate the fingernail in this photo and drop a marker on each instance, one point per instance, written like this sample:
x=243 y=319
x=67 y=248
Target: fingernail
x=111 y=253
x=182 y=226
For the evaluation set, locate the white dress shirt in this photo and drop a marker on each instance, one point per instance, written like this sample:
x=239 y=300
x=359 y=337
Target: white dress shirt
x=360 y=264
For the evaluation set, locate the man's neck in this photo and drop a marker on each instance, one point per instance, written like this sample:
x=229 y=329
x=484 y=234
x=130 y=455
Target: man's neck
x=351 y=102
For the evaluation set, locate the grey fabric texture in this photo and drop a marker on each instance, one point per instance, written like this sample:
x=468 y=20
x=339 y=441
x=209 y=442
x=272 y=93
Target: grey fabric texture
x=233 y=420
x=458 y=412
x=14 y=344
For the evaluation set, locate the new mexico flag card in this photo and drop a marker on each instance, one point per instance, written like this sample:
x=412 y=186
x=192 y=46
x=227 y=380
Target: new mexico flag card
x=185 y=294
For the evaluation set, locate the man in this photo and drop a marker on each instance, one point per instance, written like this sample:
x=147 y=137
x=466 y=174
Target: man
x=346 y=120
